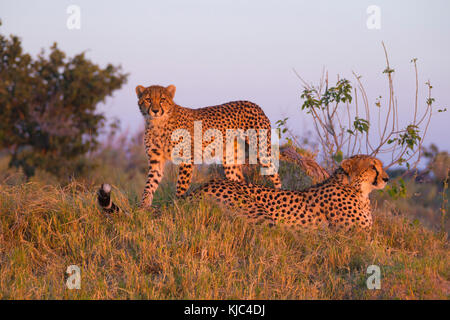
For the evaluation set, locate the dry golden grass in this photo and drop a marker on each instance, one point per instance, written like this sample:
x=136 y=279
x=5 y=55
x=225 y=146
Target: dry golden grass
x=197 y=251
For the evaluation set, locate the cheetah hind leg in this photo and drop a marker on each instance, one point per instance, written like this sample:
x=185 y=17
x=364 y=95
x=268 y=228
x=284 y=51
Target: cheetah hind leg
x=233 y=170
x=184 y=178
x=267 y=163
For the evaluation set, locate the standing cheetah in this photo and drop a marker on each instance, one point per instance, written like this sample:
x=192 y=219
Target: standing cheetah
x=163 y=117
x=341 y=201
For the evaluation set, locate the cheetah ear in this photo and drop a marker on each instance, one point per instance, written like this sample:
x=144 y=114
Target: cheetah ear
x=139 y=90
x=171 y=90
x=347 y=165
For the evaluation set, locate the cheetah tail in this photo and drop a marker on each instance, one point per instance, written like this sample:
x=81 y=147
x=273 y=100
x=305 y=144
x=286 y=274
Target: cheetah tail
x=104 y=199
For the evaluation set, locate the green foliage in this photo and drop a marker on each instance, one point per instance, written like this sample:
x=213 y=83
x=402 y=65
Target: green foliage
x=409 y=138
x=281 y=125
x=48 y=106
x=396 y=189
x=361 y=125
x=338 y=156
x=340 y=93
x=388 y=70
x=333 y=108
x=282 y=129
x=332 y=130
x=310 y=102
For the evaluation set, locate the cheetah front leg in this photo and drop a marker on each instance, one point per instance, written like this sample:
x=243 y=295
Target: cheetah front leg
x=155 y=173
x=184 y=178
x=233 y=170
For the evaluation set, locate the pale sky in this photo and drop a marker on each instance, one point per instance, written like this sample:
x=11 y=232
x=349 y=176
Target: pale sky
x=219 y=51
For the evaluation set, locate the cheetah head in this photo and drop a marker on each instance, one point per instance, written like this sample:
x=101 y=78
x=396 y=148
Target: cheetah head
x=366 y=172
x=155 y=101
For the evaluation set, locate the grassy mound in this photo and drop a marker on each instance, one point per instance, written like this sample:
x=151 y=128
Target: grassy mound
x=198 y=251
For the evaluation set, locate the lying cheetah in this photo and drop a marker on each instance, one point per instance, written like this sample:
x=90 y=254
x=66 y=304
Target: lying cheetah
x=341 y=201
x=163 y=117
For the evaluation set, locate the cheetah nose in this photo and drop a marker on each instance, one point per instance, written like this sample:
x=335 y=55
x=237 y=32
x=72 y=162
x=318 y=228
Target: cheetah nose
x=386 y=179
